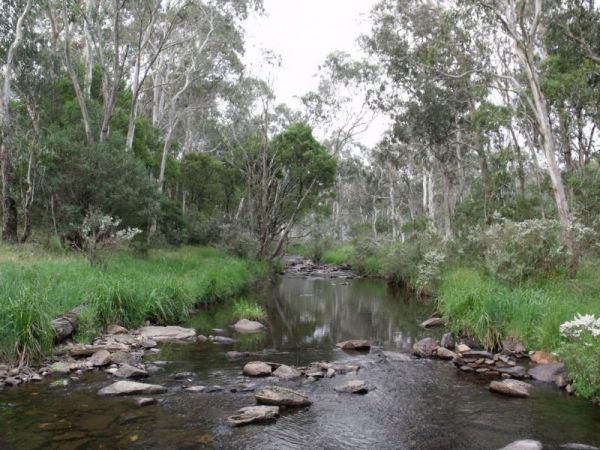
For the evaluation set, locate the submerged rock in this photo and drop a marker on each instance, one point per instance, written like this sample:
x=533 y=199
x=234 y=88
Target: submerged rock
x=286 y=372
x=221 y=340
x=548 y=373
x=59 y=368
x=573 y=446
x=425 y=347
x=433 y=322
x=168 y=334
x=526 y=444
x=257 y=369
x=279 y=396
x=248 y=326
x=353 y=387
x=354 y=344
x=195 y=389
x=131 y=387
x=511 y=388
x=253 y=414
x=396 y=356
x=145 y=401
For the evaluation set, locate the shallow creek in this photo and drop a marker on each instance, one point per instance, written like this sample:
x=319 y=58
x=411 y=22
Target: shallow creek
x=422 y=404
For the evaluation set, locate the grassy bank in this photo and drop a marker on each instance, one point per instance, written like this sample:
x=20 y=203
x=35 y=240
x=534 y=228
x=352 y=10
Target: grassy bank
x=162 y=287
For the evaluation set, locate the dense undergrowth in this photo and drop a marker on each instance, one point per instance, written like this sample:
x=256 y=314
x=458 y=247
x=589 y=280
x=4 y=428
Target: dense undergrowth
x=162 y=287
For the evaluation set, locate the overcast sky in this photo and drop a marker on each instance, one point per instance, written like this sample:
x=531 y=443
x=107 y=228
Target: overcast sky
x=302 y=34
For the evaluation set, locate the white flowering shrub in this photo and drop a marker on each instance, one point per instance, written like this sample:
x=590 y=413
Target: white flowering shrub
x=430 y=270
x=100 y=234
x=587 y=323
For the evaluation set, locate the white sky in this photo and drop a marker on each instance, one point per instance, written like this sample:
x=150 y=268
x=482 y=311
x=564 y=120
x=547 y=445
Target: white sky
x=302 y=34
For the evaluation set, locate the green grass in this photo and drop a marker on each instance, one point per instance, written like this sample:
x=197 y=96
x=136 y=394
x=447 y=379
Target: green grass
x=244 y=308
x=162 y=288
x=339 y=255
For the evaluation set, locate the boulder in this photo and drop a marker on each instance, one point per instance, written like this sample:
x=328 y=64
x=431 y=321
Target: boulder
x=59 y=368
x=257 y=369
x=448 y=341
x=511 y=388
x=353 y=387
x=287 y=373
x=444 y=353
x=145 y=401
x=512 y=346
x=122 y=357
x=131 y=388
x=100 y=358
x=543 y=358
x=253 y=414
x=116 y=329
x=248 y=326
x=396 y=356
x=433 y=322
x=425 y=347
x=526 y=444
x=547 y=373
x=279 y=396
x=514 y=371
x=127 y=371
x=168 y=334
x=354 y=344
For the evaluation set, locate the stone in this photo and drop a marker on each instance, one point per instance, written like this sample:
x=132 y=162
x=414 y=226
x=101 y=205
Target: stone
x=195 y=389
x=462 y=348
x=574 y=446
x=214 y=388
x=127 y=371
x=472 y=342
x=478 y=354
x=257 y=369
x=122 y=357
x=100 y=358
x=279 y=396
x=433 y=322
x=543 y=358
x=526 y=444
x=59 y=383
x=344 y=368
x=201 y=338
x=168 y=334
x=330 y=373
x=132 y=388
x=511 y=388
x=248 y=326
x=222 y=340
x=448 y=341
x=425 y=347
x=512 y=346
x=183 y=375
x=444 y=353
x=59 y=368
x=126 y=339
x=145 y=401
x=353 y=387
x=116 y=329
x=397 y=356
x=547 y=372
x=354 y=344
x=254 y=414
x=148 y=343
x=236 y=355
x=515 y=371
x=284 y=372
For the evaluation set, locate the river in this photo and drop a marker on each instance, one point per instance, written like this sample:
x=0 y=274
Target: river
x=422 y=404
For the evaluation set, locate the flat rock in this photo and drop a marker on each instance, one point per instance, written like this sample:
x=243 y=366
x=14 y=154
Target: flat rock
x=254 y=414
x=514 y=371
x=284 y=372
x=425 y=347
x=527 y=444
x=444 y=353
x=127 y=371
x=183 y=375
x=462 y=348
x=122 y=357
x=511 y=388
x=257 y=369
x=397 y=356
x=354 y=344
x=145 y=401
x=168 y=334
x=59 y=368
x=478 y=354
x=353 y=387
x=574 y=446
x=279 y=396
x=195 y=389
x=131 y=388
x=222 y=340
x=116 y=329
x=100 y=358
x=433 y=322
x=248 y=326
x=547 y=373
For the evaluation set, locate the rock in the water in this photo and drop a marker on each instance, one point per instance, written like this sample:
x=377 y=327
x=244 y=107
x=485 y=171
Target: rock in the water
x=59 y=368
x=515 y=371
x=131 y=388
x=543 y=358
x=462 y=348
x=478 y=354
x=573 y=446
x=279 y=396
x=195 y=389
x=511 y=388
x=122 y=357
x=168 y=334
x=287 y=373
x=257 y=369
x=183 y=375
x=353 y=387
x=448 y=341
x=354 y=344
x=425 y=347
x=59 y=383
x=433 y=322
x=127 y=371
x=145 y=401
x=100 y=358
x=222 y=340
x=396 y=356
x=116 y=329
x=512 y=346
x=526 y=444
x=444 y=353
x=253 y=414
x=248 y=326
x=547 y=373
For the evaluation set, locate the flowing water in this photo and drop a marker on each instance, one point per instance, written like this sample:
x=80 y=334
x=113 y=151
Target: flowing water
x=422 y=404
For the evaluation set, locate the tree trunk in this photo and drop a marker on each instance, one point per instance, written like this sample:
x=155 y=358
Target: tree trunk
x=446 y=205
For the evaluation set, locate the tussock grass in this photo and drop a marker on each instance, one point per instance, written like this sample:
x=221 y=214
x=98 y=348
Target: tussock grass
x=339 y=255
x=162 y=287
x=244 y=308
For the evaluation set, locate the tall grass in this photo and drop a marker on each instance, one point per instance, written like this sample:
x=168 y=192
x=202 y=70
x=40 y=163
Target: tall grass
x=162 y=287
x=244 y=308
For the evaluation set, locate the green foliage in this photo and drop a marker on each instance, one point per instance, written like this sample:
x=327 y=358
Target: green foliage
x=339 y=255
x=244 y=308
x=582 y=357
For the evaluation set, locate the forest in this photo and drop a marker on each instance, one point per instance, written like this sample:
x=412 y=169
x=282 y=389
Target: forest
x=138 y=150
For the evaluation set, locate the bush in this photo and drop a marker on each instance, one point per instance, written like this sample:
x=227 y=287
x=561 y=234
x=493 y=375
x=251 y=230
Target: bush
x=244 y=308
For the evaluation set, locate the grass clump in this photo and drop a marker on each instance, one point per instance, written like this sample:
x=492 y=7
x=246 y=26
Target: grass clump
x=339 y=255
x=244 y=308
